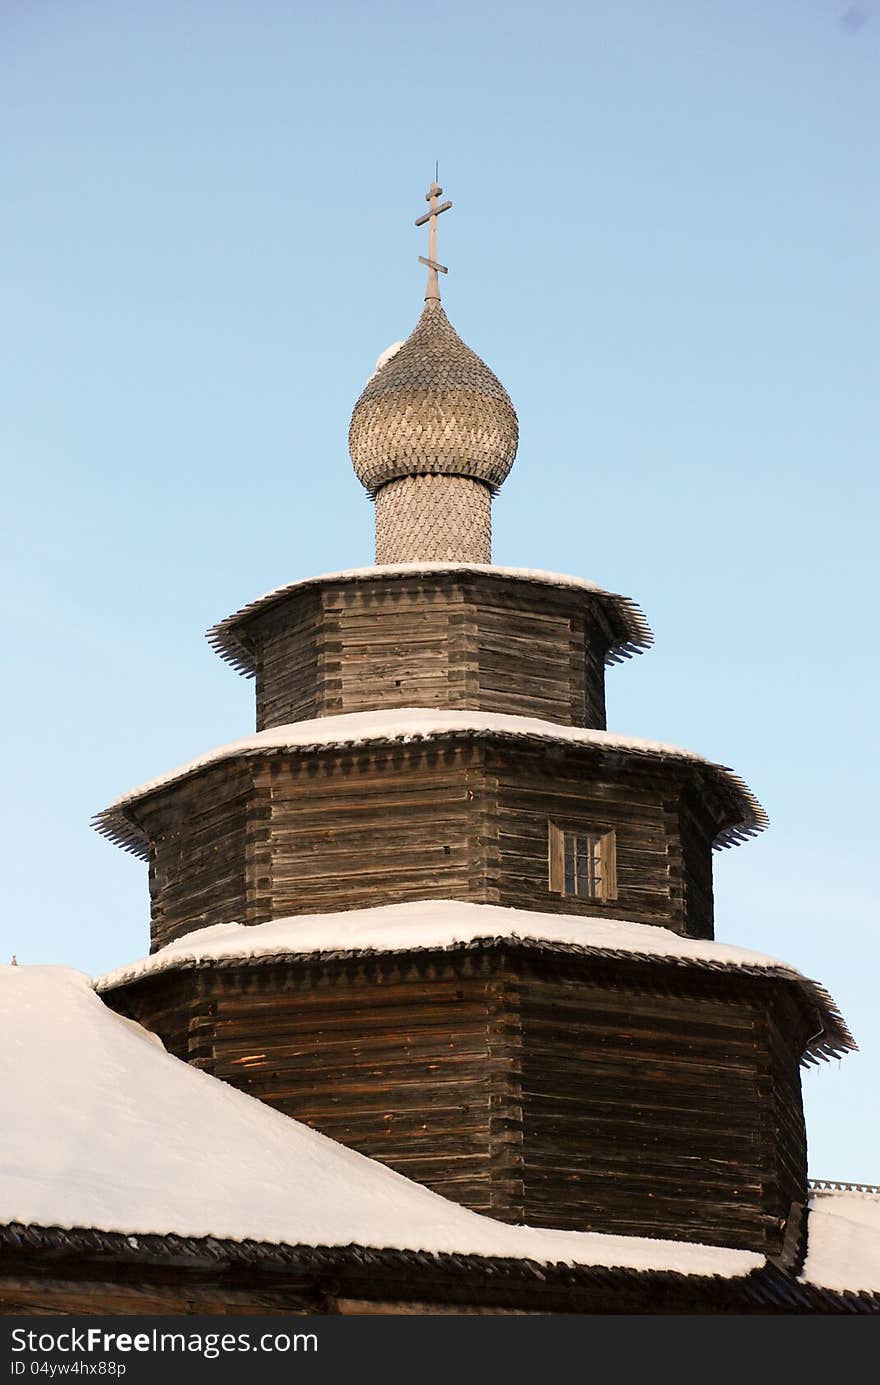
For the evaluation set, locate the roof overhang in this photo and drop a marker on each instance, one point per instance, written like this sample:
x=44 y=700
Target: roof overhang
x=426 y=928
x=229 y=640
x=414 y=726
x=369 y=1275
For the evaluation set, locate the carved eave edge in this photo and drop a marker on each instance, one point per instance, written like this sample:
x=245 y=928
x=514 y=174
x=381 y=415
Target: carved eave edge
x=414 y=726
x=500 y=1274
x=636 y=635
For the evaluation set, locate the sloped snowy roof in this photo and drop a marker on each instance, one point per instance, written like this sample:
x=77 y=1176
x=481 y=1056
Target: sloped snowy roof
x=638 y=635
x=443 y=924
x=843 y=1241
x=410 y=724
x=105 y=1130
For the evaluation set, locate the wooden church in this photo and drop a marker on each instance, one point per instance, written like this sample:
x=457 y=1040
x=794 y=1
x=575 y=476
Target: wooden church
x=451 y=940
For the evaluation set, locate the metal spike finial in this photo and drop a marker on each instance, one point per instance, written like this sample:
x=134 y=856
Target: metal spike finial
x=432 y=291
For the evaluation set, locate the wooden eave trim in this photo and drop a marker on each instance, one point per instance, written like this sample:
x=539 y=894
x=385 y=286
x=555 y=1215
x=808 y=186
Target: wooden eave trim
x=121 y=826
x=232 y=637
x=834 y=1040
x=380 y=1275
x=53 y=1243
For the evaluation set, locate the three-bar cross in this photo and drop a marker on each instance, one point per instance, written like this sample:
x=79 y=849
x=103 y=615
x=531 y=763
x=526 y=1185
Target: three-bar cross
x=435 y=208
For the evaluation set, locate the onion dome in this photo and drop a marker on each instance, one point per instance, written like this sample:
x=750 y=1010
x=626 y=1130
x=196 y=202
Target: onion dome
x=433 y=435
x=433 y=408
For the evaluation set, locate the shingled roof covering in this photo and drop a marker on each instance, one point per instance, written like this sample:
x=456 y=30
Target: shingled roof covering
x=434 y=407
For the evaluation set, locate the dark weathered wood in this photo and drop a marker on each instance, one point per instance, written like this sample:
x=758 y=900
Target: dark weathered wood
x=488 y=642
x=52 y=1291
x=457 y=818
x=198 y=852
x=636 y=801
x=288 y=668
x=647 y=1110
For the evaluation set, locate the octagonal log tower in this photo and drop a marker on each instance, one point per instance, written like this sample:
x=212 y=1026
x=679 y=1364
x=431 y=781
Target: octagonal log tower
x=431 y=734
x=433 y=635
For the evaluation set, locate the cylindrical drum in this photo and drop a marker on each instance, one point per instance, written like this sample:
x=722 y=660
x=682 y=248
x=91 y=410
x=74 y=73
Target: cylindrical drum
x=427 y=519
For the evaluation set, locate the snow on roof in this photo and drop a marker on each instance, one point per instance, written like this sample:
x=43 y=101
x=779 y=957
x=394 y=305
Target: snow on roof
x=446 y=923
x=105 y=1130
x=408 y=724
x=384 y=357
x=639 y=636
x=843 y=1241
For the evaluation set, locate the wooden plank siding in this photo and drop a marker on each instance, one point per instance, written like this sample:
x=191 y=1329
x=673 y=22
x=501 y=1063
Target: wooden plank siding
x=400 y=646
x=289 y=663
x=625 y=1097
x=350 y=830
x=644 y=1111
x=432 y=641
x=695 y=828
x=660 y=879
x=77 y=1288
x=198 y=851
x=785 y=1029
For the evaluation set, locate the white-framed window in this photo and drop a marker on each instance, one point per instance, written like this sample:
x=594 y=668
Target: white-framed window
x=582 y=862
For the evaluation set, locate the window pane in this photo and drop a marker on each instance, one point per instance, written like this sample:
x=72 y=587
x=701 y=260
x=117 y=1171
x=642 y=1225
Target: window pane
x=582 y=859
x=569 y=850
x=582 y=868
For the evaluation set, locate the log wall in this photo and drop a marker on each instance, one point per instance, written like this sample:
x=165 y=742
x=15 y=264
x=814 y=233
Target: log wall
x=489 y=644
x=289 y=672
x=398 y=646
x=646 y=1109
x=198 y=835
x=662 y=878
x=695 y=831
x=461 y=818
x=351 y=830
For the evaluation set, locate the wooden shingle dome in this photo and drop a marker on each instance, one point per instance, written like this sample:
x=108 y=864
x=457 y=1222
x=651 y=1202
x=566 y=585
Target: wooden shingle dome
x=433 y=408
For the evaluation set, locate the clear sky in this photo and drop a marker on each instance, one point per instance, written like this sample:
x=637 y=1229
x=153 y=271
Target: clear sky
x=664 y=243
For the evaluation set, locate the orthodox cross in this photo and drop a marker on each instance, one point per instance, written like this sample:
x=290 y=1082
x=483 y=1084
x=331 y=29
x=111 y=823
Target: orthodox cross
x=435 y=208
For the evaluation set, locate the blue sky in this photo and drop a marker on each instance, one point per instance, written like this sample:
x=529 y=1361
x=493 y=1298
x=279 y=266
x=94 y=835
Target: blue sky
x=664 y=243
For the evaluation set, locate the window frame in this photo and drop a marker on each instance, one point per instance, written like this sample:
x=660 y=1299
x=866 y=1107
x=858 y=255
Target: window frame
x=556 y=834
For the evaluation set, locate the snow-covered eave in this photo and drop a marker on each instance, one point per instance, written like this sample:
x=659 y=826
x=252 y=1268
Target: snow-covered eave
x=225 y=637
x=835 y=1185
x=721 y=1265
x=832 y=1040
x=408 y=725
x=753 y=1278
